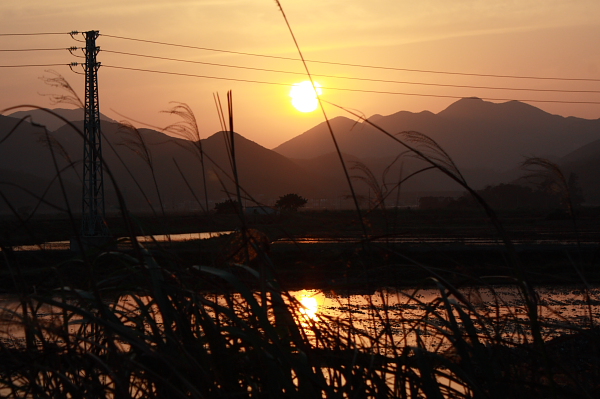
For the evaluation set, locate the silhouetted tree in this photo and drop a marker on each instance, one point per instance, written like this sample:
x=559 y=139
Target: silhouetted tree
x=290 y=202
x=228 y=206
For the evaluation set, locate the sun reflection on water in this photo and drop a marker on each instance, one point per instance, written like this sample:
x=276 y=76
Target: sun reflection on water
x=309 y=304
x=310 y=307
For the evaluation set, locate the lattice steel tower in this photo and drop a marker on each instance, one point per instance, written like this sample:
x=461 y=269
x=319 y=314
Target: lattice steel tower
x=93 y=214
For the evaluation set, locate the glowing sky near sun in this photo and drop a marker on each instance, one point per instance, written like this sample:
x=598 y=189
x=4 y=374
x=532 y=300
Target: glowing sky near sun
x=525 y=38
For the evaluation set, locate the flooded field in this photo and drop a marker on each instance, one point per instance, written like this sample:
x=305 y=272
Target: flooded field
x=500 y=310
x=406 y=340
x=405 y=313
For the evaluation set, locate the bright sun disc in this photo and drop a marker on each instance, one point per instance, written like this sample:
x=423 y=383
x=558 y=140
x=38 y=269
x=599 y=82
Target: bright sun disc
x=304 y=97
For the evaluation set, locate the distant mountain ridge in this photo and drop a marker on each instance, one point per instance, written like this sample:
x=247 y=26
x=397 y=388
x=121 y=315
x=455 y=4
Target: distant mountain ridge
x=486 y=140
x=52 y=122
x=27 y=151
x=475 y=133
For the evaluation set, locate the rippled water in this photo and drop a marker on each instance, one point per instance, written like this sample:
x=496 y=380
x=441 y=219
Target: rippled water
x=404 y=312
x=499 y=309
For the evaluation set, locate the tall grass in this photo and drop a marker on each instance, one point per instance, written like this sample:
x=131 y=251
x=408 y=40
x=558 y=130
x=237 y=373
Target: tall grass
x=188 y=129
x=150 y=327
x=147 y=325
x=167 y=339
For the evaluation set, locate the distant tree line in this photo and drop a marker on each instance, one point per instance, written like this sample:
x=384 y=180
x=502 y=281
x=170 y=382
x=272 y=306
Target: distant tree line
x=512 y=196
x=286 y=203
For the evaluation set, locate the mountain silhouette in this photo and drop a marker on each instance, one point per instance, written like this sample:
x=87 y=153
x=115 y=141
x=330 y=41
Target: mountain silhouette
x=475 y=133
x=51 y=122
x=131 y=159
x=486 y=140
x=585 y=164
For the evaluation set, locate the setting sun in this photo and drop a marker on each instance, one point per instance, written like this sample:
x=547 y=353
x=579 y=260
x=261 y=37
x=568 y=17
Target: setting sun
x=304 y=96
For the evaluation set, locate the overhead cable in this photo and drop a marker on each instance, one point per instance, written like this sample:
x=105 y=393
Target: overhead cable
x=32 y=65
x=35 y=34
x=346 y=89
x=35 y=49
x=357 y=65
x=352 y=77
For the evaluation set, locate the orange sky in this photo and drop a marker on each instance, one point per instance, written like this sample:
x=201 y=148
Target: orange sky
x=552 y=38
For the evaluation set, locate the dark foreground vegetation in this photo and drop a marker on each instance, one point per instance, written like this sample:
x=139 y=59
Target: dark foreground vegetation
x=213 y=318
x=216 y=319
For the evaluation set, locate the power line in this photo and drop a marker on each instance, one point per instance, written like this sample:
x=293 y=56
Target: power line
x=352 y=77
x=201 y=48
x=196 y=76
x=32 y=65
x=301 y=73
x=325 y=62
x=202 y=62
x=35 y=49
x=358 y=65
x=345 y=89
x=36 y=34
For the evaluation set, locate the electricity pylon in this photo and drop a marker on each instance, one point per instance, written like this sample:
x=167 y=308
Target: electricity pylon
x=93 y=214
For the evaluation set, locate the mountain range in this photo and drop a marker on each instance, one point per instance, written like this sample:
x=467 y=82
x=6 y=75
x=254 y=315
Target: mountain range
x=134 y=159
x=475 y=133
x=487 y=141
